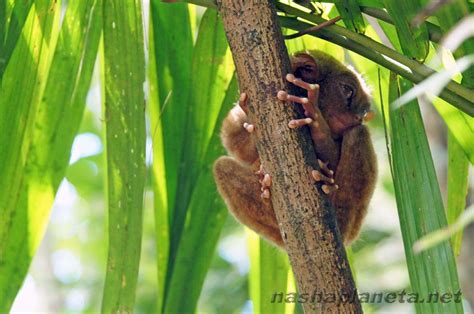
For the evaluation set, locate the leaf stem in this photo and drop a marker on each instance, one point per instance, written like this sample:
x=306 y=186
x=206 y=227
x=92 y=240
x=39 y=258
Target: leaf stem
x=434 y=31
x=457 y=95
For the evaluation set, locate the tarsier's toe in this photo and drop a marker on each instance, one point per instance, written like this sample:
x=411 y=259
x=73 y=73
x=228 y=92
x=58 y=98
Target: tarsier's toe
x=326 y=176
x=293 y=124
x=318 y=176
x=243 y=104
x=300 y=83
x=328 y=189
x=324 y=167
x=265 y=181
x=265 y=194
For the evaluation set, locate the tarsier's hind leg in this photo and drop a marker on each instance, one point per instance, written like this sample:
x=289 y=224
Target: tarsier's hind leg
x=240 y=188
x=356 y=176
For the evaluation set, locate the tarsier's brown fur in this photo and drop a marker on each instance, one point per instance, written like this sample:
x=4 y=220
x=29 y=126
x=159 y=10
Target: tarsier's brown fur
x=340 y=140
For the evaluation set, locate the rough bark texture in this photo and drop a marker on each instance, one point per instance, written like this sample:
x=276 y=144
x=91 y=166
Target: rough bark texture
x=305 y=216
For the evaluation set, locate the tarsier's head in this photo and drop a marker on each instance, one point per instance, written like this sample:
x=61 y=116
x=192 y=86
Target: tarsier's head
x=344 y=99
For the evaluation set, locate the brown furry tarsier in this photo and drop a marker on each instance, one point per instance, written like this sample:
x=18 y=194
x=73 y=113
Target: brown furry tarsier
x=336 y=102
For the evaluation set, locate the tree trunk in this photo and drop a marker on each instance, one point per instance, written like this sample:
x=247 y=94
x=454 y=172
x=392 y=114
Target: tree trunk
x=306 y=219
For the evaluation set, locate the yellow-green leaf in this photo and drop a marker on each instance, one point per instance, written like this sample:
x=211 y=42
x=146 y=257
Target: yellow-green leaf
x=124 y=107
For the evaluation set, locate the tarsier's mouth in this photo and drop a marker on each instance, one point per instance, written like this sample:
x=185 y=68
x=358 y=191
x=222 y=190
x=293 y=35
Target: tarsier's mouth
x=341 y=123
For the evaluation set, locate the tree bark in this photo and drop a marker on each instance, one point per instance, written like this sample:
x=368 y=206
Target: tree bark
x=306 y=219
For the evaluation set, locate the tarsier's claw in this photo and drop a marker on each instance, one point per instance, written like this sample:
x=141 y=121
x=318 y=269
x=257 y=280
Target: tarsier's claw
x=249 y=127
x=327 y=189
x=299 y=122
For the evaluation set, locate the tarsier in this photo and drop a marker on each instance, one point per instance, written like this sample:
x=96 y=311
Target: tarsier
x=336 y=102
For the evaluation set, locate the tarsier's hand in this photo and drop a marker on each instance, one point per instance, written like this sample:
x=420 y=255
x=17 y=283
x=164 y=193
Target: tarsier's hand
x=317 y=124
x=310 y=103
x=264 y=178
x=314 y=119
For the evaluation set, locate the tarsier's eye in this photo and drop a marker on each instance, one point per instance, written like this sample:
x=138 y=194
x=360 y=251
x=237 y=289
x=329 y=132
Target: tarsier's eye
x=347 y=91
x=308 y=67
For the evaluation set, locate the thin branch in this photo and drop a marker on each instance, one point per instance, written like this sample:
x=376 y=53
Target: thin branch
x=434 y=31
x=313 y=29
x=457 y=95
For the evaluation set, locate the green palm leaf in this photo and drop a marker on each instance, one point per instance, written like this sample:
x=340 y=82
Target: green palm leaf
x=419 y=203
x=351 y=15
x=197 y=146
x=124 y=107
x=38 y=132
x=458 y=171
x=12 y=21
x=171 y=49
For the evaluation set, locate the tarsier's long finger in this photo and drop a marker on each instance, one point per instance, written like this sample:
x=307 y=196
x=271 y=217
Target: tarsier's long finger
x=299 y=122
x=243 y=102
x=300 y=83
x=318 y=176
x=249 y=127
x=327 y=189
x=325 y=169
x=265 y=194
x=313 y=96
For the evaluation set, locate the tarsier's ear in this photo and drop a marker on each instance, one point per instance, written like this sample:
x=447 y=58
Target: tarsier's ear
x=304 y=66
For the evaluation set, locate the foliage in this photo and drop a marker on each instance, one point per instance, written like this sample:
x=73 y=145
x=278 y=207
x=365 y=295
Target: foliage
x=46 y=70
x=124 y=109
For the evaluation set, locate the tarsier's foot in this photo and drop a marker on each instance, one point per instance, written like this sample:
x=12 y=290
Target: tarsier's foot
x=243 y=104
x=326 y=175
x=266 y=181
